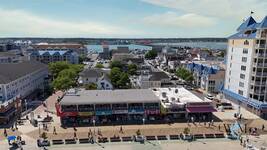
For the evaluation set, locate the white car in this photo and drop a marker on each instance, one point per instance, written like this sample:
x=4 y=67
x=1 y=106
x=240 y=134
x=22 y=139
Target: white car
x=209 y=96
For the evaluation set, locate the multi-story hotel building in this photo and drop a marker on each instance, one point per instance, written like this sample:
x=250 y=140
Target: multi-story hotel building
x=246 y=73
x=17 y=81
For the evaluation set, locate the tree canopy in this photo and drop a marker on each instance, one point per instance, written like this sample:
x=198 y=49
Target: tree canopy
x=56 y=67
x=64 y=74
x=185 y=74
x=119 y=79
x=116 y=64
x=132 y=68
x=98 y=65
x=152 y=54
x=91 y=86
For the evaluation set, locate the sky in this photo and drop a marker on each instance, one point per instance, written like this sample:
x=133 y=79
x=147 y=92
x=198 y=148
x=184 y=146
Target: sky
x=126 y=18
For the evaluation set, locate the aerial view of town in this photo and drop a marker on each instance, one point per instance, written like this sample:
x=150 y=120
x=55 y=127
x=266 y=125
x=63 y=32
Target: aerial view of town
x=133 y=75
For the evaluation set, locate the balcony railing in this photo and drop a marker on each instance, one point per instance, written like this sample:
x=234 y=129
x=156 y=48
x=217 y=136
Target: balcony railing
x=261 y=46
x=260 y=83
x=259 y=92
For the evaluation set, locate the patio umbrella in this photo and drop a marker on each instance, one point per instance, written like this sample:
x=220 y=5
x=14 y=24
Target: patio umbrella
x=11 y=138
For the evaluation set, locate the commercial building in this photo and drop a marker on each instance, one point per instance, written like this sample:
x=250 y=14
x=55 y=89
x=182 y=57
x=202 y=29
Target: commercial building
x=8 y=57
x=92 y=107
x=78 y=48
x=54 y=56
x=152 y=79
x=208 y=75
x=246 y=73
x=18 y=80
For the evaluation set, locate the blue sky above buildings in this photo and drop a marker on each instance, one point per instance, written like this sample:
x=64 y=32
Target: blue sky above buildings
x=125 y=18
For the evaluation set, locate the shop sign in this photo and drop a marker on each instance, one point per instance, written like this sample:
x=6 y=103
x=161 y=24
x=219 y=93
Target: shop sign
x=135 y=111
x=69 y=114
x=86 y=113
x=120 y=111
x=99 y=113
x=152 y=112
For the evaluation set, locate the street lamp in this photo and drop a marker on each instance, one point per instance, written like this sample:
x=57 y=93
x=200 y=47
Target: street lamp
x=144 y=121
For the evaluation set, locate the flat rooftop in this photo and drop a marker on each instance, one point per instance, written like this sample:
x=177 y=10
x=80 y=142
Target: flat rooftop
x=177 y=96
x=110 y=97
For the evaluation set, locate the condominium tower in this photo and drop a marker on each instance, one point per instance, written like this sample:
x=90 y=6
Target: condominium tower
x=246 y=73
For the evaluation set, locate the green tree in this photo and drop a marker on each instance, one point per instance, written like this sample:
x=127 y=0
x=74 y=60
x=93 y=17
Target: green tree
x=185 y=74
x=115 y=75
x=76 y=67
x=83 y=58
x=98 y=65
x=124 y=82
x=64 y=74
x=116 y=64
x=152 y=54
x=186 y=131
x=91 y=86
x=69 y=73
x=132 y=68
x=63 y=83
x=56 y=67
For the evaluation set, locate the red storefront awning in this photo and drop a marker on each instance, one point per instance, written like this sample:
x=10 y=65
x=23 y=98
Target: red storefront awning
x=200 y=109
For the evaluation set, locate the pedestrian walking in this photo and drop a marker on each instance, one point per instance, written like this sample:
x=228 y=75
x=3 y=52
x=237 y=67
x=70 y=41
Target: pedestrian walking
x=75 y=135
x=121 y=130
x=212 y=122
x=219 y=127
x=5 y=133
x=54 y=131
x=263 y=127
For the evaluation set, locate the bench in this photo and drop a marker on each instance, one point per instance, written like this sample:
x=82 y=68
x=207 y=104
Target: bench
x=198 y=136
x=70 y=141
x=219 y=135
x=57 y=142
x=103 y=140
x=127 y=139
x=209 y=136
x=150 y=138
x=162 y=137
x=115 y=139
x=174 y=137
x=82 y=141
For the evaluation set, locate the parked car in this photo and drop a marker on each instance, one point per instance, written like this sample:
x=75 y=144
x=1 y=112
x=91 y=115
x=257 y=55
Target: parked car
x=209 y=96
x=226 y=105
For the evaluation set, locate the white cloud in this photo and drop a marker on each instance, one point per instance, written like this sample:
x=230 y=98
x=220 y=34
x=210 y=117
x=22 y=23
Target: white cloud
x=236 y=9
x=172 y=19
x=21 y=23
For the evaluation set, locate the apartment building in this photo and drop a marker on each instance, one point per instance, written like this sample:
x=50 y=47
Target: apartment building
x=54 y=56
x=17 y=81
x=78 y=48
x=208 y=75
x=246 y=73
